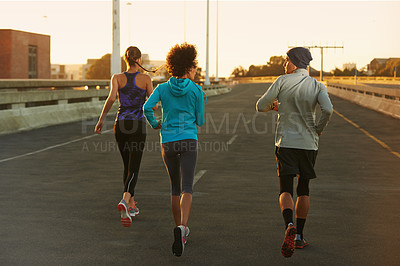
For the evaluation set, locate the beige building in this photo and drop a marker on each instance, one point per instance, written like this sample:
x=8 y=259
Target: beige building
x=58 y=72
x=349 y=66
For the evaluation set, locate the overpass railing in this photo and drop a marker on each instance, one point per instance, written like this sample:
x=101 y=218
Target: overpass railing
x=35 y=103
x=384 y=100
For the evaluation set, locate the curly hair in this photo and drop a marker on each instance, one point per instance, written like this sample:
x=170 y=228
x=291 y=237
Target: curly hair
x=181 y=59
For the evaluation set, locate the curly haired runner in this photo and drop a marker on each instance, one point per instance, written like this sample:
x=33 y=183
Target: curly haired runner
x=130 y=126
x=182 y=111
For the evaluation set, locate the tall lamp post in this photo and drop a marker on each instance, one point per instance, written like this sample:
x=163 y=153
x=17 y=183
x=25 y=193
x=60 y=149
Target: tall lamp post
x=207 y=80
x=216 y=71
x=129 y=4
x=116 y=50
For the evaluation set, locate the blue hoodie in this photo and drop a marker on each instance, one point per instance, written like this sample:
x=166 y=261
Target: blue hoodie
x=182 y=109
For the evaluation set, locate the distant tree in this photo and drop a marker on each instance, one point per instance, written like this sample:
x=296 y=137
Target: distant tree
x=348 y=72
x=239 y=72
x=276 y=60
x=254 y=71
x=198 y=75
x=101 y=69
x=274 y=67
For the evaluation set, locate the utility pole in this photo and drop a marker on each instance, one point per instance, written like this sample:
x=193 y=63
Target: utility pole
x=207 y=80
x=216 y=71
x=321 y=75
x=116 y=50
x=129 y=4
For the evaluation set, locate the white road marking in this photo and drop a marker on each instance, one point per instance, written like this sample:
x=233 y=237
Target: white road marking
x=232 y=140
x=51 y=147
x=198 y=176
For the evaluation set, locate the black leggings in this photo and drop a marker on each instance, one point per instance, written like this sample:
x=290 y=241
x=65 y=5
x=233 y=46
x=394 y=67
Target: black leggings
x=286 y=185
x=131 y=137
x=180 y=159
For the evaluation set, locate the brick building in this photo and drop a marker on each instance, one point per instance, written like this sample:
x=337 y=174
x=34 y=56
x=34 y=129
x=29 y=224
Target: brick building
x=24 y=55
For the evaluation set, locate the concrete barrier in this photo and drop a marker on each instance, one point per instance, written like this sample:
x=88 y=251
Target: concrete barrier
x=26 y=110
x=386 y=101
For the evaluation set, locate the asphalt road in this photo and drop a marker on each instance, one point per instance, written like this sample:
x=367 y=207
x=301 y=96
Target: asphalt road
x=59 y=189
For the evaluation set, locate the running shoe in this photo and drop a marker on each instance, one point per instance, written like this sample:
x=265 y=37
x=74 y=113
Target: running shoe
x=287 y=248
x=126 y=219
x=302 y=243
x=133 y=211
x=179 y=235
x=186 y=236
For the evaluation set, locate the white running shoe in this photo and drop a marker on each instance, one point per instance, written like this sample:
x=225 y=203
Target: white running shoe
x=134 y=211
x=186 y=237
x=126 y=219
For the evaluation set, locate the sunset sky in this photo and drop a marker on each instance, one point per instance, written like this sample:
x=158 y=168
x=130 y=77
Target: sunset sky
x=249 y=31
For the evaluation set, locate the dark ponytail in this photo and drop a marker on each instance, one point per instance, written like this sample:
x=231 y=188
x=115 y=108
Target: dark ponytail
x=132 y=54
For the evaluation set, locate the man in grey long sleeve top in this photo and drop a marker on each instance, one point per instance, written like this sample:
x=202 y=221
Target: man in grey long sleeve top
x=295 y=96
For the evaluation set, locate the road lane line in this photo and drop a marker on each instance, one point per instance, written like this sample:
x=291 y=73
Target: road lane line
x=232 y=140
x=383 y=144
x=198 y=176
x=52 y=147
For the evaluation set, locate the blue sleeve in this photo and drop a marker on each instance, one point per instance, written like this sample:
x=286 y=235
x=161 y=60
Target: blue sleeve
x=148 y=107
x=200 y=108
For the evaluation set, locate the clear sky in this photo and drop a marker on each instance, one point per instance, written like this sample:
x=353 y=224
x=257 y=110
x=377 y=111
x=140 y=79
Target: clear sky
x=250 y=32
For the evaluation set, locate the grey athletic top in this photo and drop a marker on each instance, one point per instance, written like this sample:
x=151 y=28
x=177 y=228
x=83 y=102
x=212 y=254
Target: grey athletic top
x=298 y=95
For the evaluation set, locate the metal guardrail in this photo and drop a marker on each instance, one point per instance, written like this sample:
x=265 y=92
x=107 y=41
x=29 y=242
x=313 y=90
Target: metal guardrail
x=24 y=84
x=25 y=93
x=255 y=79
x=390 y=94
x=29 y=84
x=28 y=104
x=346 y=79
x=368 y=79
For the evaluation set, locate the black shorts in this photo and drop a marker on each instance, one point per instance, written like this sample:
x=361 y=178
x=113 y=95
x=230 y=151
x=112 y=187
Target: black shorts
x=295 y=162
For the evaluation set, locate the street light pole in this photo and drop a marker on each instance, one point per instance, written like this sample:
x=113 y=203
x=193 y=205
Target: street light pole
x=129 y=4
x=321 y=73
x=216 y=71
x=207 y=80
x=116 y=56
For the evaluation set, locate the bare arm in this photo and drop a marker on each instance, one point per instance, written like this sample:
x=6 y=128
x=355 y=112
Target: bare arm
x=108 y=104
x=149 y=89
x=148 y=109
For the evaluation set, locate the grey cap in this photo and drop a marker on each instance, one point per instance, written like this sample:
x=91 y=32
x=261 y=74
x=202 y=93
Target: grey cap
x=300 y=56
